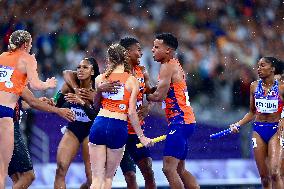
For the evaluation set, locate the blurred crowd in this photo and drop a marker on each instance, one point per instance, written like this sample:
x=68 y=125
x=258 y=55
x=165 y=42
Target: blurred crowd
x=220 y=41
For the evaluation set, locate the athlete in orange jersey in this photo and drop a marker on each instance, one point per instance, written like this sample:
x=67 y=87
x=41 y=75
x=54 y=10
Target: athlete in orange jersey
x=16 y=68
x=172 y=89
x=108 y=134
x=133 y=155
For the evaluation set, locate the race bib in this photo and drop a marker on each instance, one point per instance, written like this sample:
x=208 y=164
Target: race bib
x=115 y=95
x=266 y=106
x=6 y=74
x=80 y=115
x=186 y=98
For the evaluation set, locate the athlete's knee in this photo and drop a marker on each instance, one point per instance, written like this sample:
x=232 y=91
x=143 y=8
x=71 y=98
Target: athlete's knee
x=130 y=177
x=181 y=170
x=168 y=170
x=61 y=169
x=265 y=180
x=146 y=170
x=29 y=177
x=109 y=174
x=275 y=173
x=149 y=174
x=275 y=176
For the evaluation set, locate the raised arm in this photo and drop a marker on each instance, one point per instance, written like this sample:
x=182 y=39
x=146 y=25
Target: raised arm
x=70 y=78
x=163 y=84
x=32 y=75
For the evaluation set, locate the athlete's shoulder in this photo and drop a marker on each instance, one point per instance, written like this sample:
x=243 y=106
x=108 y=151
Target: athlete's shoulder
x=281 y=85
x=100 y=77
x=253 y=85
x=26 y=57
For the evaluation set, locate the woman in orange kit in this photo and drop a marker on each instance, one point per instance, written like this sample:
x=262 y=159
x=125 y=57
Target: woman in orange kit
x=108 y=134
x=17 y=67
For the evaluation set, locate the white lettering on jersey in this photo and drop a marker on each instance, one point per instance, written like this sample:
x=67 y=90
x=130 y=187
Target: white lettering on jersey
x=186 y=98
x=80 y=115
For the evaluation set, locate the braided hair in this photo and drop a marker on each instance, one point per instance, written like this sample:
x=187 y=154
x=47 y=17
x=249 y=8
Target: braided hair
x=117 y=55
x=18 y=38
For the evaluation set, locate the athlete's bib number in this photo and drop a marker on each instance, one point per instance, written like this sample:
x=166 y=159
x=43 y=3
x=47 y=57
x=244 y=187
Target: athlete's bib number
x=186 y=98
x=115 y=95
x=266 y=106
x=80 y=115
x=6 y=73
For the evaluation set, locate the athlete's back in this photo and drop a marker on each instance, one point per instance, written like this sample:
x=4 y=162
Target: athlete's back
x=116 y=104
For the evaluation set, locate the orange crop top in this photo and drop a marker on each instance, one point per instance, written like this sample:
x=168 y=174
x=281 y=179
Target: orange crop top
x=117 y=102
x=11 y=79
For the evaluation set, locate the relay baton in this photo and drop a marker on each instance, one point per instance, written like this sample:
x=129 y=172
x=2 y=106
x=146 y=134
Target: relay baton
x=154 y=140
x=222 y=133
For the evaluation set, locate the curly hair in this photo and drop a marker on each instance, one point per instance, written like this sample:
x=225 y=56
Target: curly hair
x=169 y=39
x=117 y=55
x=128 y=42
x=18 y=38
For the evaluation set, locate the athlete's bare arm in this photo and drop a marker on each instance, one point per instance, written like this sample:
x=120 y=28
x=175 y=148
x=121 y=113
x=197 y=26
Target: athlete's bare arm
x=34 y=102
x=166 y=72
x=149 y=88
x=133 y=86
x=98 y=95
x=70 y=77
x=32 y=75
x=252 y=110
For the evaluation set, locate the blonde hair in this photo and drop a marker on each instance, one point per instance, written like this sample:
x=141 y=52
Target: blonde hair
x=18 y=38
x=117 y=55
